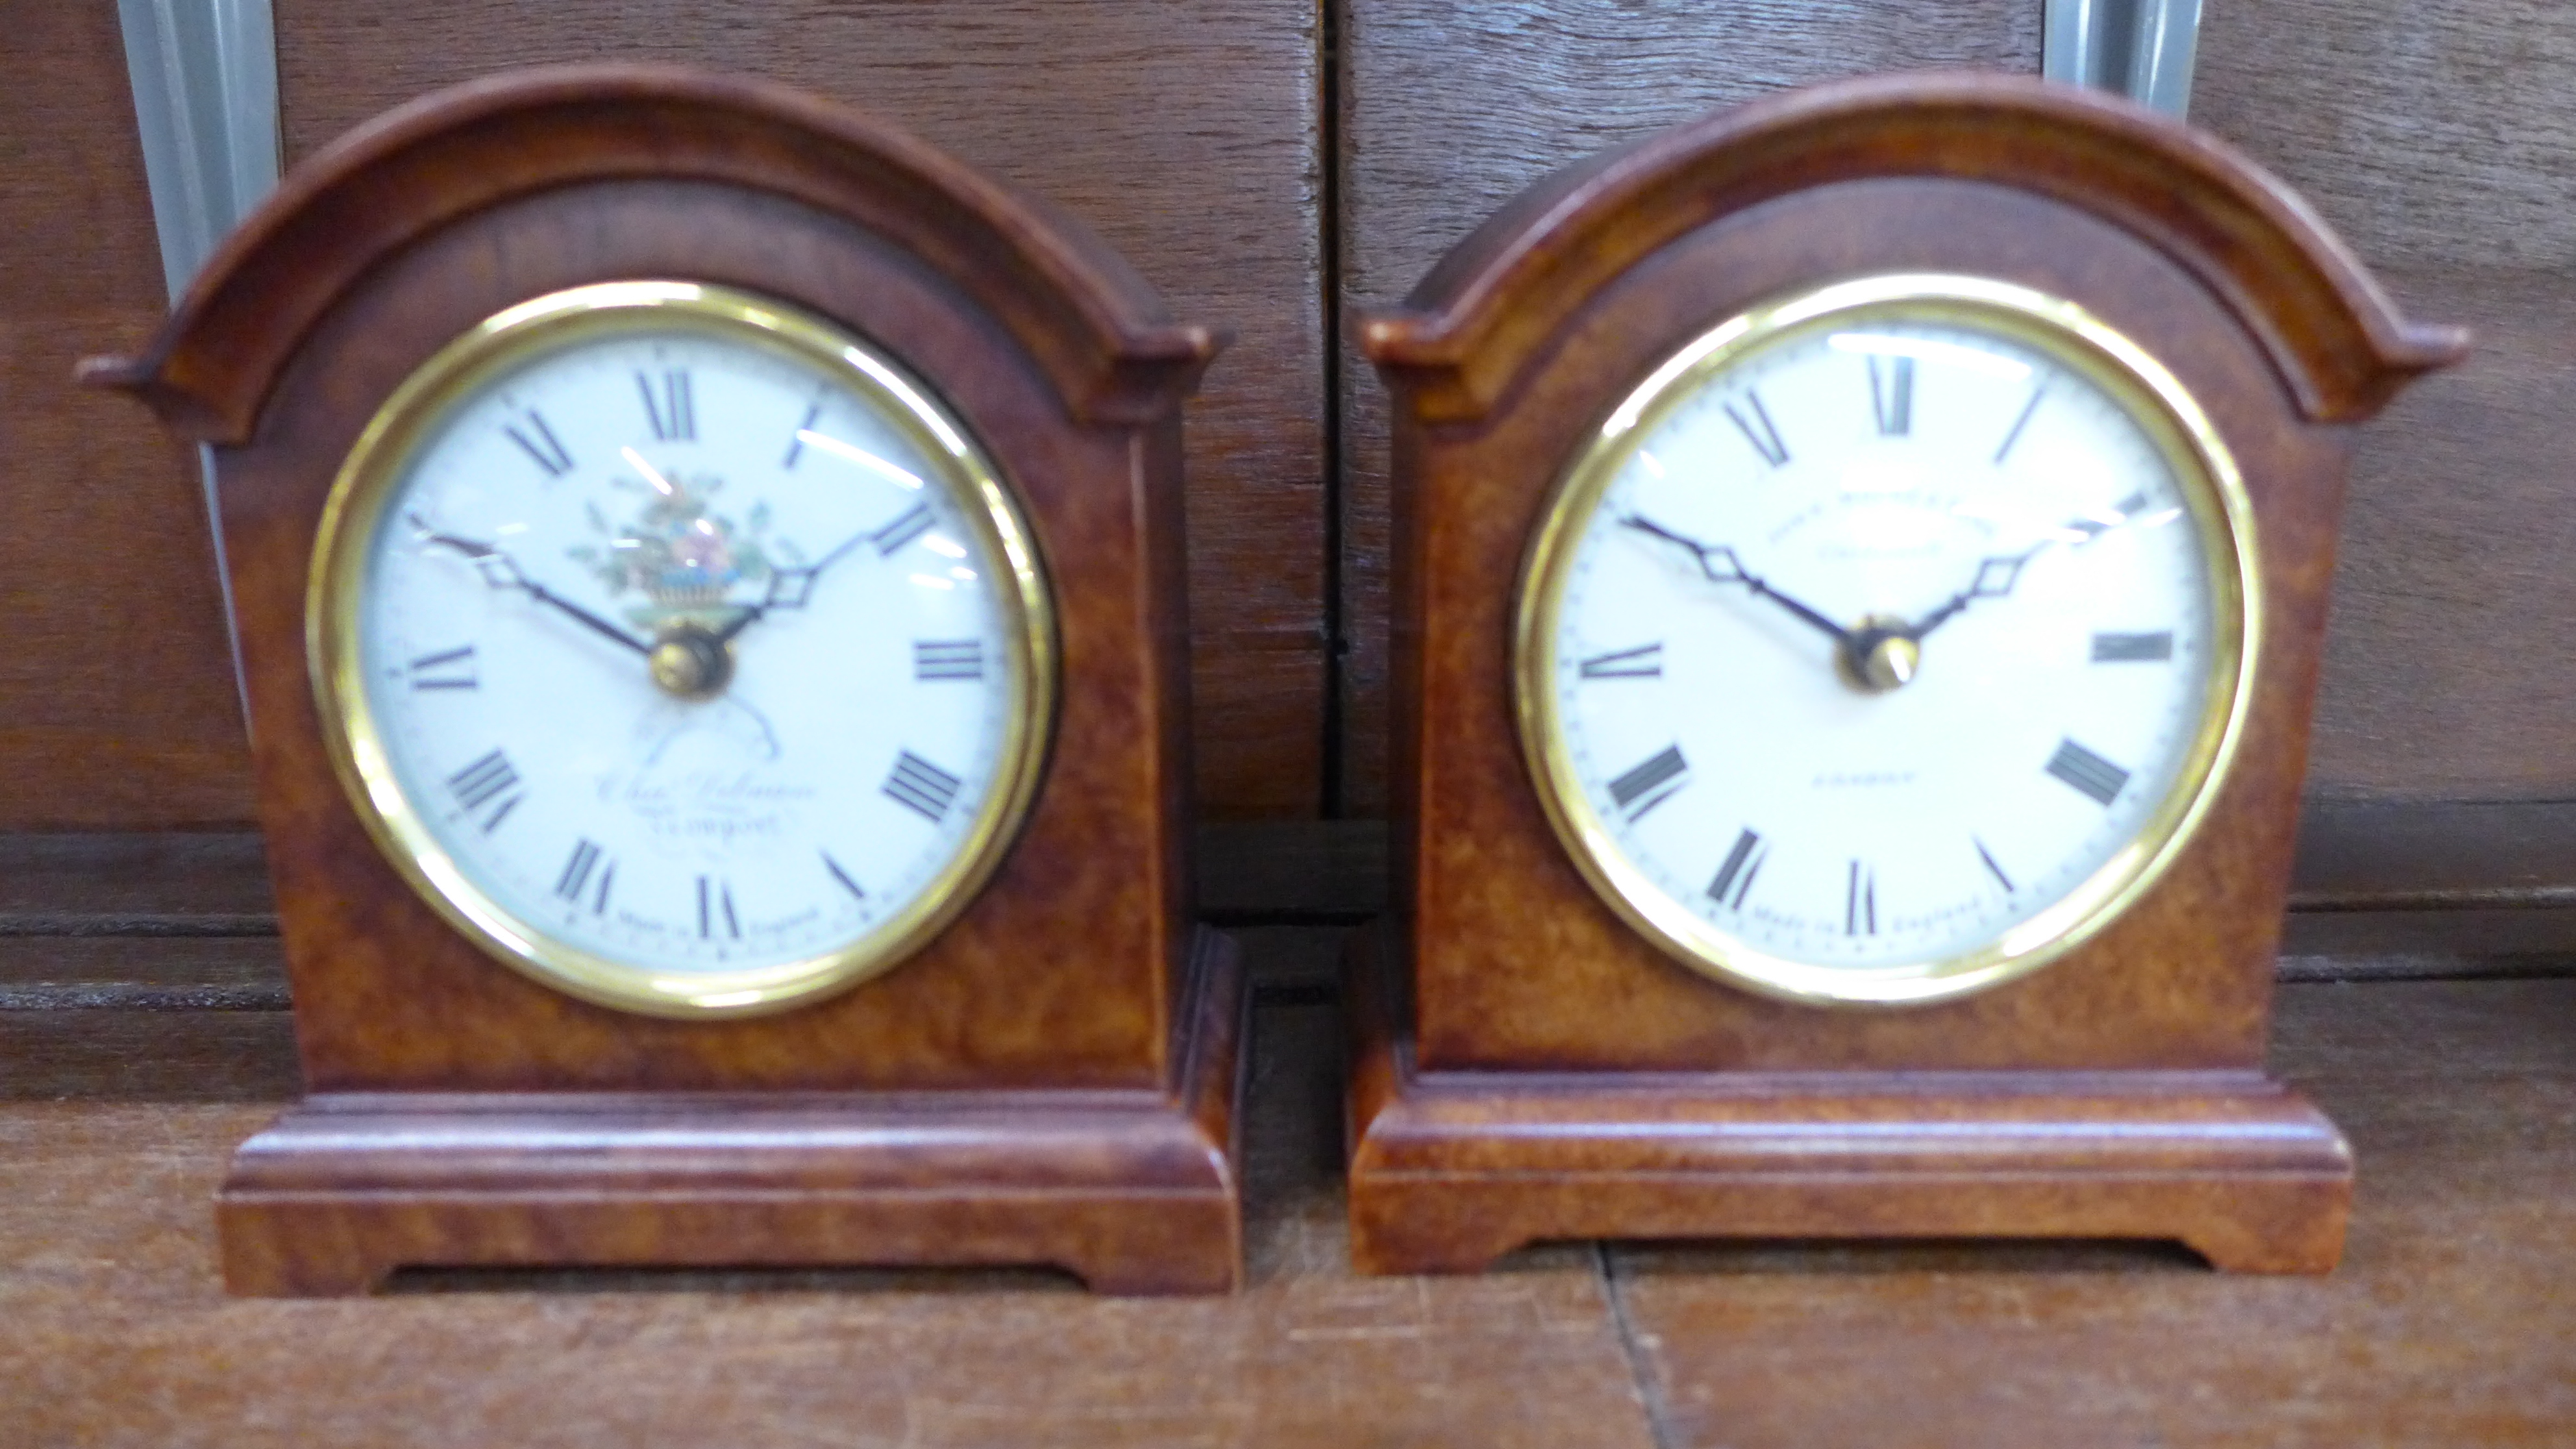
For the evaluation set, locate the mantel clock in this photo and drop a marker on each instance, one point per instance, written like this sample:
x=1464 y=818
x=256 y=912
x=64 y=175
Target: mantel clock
x=708 y=579
x=1862 y=563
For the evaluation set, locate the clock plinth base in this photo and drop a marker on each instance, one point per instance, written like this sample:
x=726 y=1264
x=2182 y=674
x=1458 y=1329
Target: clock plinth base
x=1451 y=1170
x=1132 y=1192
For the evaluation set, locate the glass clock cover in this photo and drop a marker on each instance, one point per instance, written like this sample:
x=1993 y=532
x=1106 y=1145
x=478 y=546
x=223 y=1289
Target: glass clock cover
x=1886 y=641
x=683 y=651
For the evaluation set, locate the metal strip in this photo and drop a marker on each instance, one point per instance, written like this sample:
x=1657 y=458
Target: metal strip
x=2143 y=49
x=204 y=77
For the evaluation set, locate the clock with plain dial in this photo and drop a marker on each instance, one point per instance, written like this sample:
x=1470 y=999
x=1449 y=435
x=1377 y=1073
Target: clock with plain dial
x=684 y=651
x=1886 y=639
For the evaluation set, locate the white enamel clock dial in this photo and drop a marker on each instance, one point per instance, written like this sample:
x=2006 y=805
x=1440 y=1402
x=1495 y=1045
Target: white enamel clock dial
x=1886 y=642
x=684 y=652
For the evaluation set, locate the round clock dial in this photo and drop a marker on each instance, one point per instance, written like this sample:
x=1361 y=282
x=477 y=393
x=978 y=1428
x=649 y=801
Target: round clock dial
x=1885 y=642
x=680 y=649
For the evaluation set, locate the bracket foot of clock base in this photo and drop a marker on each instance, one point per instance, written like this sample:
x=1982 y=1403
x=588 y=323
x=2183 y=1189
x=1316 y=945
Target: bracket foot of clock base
x=1451 y=1170
x=1133 y=1192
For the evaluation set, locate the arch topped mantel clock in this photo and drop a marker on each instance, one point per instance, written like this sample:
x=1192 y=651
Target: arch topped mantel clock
x=1861 y=567
x=708 y=578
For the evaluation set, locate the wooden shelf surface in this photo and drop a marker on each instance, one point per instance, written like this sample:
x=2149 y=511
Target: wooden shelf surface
x=2451 y=1322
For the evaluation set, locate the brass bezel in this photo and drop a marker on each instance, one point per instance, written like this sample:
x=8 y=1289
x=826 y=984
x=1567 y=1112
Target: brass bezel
x=2072 y=338
x=379 y=463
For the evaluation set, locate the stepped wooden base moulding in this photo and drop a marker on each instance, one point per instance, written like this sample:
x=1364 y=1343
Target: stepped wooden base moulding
x=1133 y=1192
x=1451 y=1170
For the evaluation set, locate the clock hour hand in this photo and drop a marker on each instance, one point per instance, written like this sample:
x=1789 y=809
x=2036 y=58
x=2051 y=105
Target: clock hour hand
x=1721 y=566
x=500 y=572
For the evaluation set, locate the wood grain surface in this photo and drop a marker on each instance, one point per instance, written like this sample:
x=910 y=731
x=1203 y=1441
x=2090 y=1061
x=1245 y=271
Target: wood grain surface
x=1447 y=112
x=2439 y=141
x=117 y=706
x=2444 y=1327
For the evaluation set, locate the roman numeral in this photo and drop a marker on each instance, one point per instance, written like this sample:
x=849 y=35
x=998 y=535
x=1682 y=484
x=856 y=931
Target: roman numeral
x=540 y=443
x=796 y=444
x=1646 y=661
x=1650 y=784
x=447 y=669
x=1755 y=424
x=2088 y=772
x=913 y=524
x=715 y=901
x=1988 y=857
x=921 y=786
x=670 y=408
x=948 y=659
x=1860 y=902
x=1891 y=394
x=842 y=876
x=2013 y=434
x=1738 y=870
x=2132 y=648
x=576 y=874
x=484 y=781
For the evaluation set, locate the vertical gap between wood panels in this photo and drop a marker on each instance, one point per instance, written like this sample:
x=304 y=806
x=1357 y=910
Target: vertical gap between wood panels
x=1330 y=32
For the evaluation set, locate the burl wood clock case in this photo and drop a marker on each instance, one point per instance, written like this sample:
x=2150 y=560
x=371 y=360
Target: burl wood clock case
x=708 y=571
x=1862 y=561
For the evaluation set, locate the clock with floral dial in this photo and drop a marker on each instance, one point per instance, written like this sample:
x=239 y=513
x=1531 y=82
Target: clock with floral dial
x=682 y=650
x=1886 y=641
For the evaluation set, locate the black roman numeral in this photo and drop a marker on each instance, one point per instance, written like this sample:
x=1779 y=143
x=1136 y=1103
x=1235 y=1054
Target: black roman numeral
x=1860 y=902
x=903 y=530
x=716 y=898
x=484 y=781
x=842 y=876
x=2132 y=648
x=540 y=443
x=2088 y=772
x=1988 y=857
x=1650 y=784
x=1891 y=394
x=2013 y=434
x=670 y=408
x=1755 y=423
x=919 y=785
x=576 y=874
x=447 y=669
x=1646 y=661
x=796 y=444
x=948 y=659
x=1743 y=862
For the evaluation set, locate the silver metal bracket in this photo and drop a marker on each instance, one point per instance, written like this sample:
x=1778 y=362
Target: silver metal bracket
x=2142 y=49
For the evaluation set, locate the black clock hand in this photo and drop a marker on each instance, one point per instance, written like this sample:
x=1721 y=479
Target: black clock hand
x=1995 y=579
x=501 y=573
x=1721 y=566
x=790 y=588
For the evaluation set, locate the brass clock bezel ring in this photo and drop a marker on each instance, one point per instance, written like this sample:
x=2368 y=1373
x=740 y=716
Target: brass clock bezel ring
x=2070 y=337
x=356 y=512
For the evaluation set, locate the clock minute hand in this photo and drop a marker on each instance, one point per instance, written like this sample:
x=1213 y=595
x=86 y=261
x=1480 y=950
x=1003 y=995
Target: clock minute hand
x=501 y=572
x=1719 y=563
x=790 y=588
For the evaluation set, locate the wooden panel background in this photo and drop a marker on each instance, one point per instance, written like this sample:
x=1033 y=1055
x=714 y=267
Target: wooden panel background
x=1192 y=134
x=1447 y=111
x=2440 y=141
x=117 y=705
x=1185 y=133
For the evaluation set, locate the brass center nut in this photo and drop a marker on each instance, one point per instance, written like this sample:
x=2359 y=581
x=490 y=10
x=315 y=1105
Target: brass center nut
x=1881 y=655
x=691 y=663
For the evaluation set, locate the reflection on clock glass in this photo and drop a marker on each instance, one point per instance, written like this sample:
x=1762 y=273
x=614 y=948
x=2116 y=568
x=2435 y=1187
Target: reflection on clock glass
x=687 y=651
x=1883 y=638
